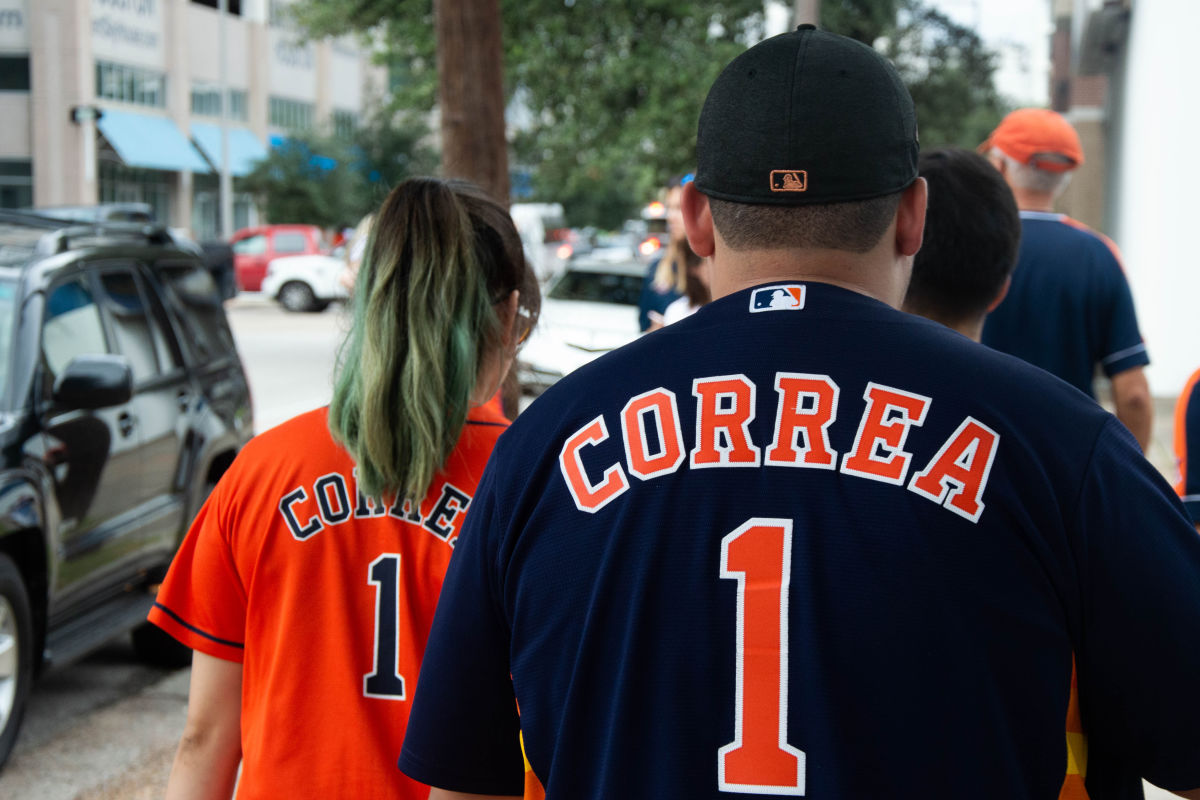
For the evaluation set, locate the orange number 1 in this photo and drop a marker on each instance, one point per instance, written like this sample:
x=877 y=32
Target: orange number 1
x=759 y=760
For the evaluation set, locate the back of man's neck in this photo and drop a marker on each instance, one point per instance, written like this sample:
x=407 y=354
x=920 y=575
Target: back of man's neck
x=1034 y=201
x=866 y=273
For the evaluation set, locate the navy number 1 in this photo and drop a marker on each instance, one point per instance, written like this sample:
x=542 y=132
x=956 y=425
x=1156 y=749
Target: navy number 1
x=384 y=680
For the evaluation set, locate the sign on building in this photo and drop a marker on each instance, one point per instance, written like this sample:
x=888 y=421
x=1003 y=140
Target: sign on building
x=14 y=26
x=129 y=32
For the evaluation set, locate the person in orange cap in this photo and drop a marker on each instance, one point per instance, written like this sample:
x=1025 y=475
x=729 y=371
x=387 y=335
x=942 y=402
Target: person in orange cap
x=1069 y=308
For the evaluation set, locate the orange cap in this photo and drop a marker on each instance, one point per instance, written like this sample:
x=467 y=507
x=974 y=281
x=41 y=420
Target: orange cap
x=1027 y=133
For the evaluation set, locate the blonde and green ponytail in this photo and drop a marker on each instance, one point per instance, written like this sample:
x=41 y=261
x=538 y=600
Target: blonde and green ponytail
x=440 y=256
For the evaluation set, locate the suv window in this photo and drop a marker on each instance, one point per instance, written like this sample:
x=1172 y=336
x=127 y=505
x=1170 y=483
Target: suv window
x=136 y=336
x=71 y=327
x=290 y=243
x=192 y=292
x=251 y=246
x=8 y=321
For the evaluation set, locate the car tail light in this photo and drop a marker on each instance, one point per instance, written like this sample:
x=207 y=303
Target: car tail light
x=564 y=251
x=650 y=246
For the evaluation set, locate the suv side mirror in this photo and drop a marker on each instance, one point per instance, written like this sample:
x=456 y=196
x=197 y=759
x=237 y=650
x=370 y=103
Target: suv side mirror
x=94 y=381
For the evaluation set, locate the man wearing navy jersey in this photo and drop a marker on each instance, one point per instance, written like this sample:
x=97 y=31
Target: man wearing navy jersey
x=1069 y=310
x=970 y=244
x=802 y=543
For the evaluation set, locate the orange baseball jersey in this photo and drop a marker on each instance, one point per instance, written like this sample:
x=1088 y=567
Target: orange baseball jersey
x=1187 y=445
x=326 y=598
x=1074 y=782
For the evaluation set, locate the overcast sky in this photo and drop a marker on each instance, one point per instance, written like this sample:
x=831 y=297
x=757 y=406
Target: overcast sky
x=1018 y=30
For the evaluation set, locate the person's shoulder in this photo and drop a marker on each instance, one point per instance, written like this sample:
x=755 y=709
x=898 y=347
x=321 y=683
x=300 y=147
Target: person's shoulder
x=279 y=451
x=301 y=425
x=483 y=427
x=1083 y=235
x=1018 y=390
x=287 y=435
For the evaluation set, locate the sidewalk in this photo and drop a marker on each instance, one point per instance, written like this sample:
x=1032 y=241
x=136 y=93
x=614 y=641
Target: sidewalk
x=1162 y=444
x=122 y=752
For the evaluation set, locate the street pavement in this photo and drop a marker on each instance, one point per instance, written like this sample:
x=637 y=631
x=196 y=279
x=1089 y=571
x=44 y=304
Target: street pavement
x=119 y=752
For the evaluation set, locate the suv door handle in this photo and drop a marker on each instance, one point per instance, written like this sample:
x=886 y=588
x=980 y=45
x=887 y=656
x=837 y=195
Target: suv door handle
x=126 y=423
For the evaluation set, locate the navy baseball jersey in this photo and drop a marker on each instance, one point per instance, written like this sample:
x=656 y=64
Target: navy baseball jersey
x=803 y=544
x=1069 y=307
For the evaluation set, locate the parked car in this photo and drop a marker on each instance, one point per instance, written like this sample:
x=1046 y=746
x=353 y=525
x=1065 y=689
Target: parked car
x=255 y=248
x=306 y=283
x=217 y=256
x=123 y=403
x=590 y=308
x=101 y=212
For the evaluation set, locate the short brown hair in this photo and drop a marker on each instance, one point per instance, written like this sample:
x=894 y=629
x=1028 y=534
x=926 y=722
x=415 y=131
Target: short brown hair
x=972 y=238
x=855 y=225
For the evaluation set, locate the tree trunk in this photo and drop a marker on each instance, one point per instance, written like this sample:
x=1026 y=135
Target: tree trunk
x=470 y=67
x=806 y=11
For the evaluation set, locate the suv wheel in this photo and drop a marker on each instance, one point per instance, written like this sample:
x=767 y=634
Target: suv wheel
x=296 y=296
x=16 y=653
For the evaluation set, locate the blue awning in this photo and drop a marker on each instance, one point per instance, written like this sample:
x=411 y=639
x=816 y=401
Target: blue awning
x=144 y=140
x=245 y=150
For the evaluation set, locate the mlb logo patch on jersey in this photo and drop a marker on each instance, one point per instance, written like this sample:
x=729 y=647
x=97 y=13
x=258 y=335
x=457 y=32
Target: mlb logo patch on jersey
x=784 y=297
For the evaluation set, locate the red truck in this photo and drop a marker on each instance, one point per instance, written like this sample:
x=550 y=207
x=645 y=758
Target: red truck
x=253 y=249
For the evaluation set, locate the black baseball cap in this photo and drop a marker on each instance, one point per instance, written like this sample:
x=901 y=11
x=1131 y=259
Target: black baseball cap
x=806 y=117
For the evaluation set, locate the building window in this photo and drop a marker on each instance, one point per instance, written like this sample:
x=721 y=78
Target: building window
x=232 y=6
x=206 y=102
x=344 y=124
x=122 y=184
x=14 y=73
x=239 y=108
x=16 y=183
x=206 y=207
x=292 y=115
x=278 y=15
x=143 y=87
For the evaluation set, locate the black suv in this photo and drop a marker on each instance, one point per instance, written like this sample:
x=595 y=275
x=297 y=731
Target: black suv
x=123 y=402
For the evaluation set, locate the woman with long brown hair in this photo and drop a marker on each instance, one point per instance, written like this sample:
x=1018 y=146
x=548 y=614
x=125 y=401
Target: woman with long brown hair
x=308 y=581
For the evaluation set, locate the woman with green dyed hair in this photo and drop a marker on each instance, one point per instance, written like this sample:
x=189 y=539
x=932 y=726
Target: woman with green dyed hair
x=308 y=581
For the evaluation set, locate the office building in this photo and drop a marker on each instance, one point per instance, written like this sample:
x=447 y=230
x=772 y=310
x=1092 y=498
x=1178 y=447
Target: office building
x=121 y=100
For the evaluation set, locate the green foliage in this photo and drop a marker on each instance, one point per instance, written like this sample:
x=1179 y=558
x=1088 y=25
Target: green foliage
x=329 y=181
x=616 y=90
x=864 y=20
x=400 y=32
x=949 y=72
x=388 y=147
x=291 y=186
x=613 y=88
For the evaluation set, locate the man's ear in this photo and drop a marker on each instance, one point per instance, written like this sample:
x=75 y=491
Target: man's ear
x=910 y=218
x=697 y=220
x=1000 y=295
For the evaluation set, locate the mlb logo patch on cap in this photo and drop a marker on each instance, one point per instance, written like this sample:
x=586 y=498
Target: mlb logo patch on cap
x=789 y=180
x=783 y=297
